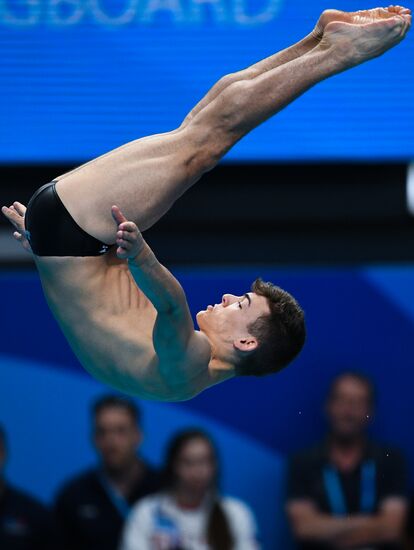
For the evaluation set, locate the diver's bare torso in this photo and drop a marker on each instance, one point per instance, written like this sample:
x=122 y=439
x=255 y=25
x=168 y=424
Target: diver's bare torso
x=109 y=324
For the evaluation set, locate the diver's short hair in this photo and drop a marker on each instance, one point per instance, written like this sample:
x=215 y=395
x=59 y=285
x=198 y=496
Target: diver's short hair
x=280 y=334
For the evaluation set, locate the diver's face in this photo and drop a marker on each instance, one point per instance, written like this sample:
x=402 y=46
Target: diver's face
x=229 y=319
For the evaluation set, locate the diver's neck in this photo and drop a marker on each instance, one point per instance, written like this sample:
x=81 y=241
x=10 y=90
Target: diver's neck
x=220 y=364
x=221 y=369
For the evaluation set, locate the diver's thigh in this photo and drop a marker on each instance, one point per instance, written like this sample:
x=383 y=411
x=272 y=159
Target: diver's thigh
x=143 y=178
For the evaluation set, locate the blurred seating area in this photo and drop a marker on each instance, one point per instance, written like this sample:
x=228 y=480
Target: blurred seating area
x=346 y=491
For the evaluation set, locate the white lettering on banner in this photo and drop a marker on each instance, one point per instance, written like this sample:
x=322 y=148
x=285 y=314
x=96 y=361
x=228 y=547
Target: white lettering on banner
x=27 y=15
x=65 y=12
x=189 y=12
x=269 y=13
x=216 y=8
x=127 y=15
x=172 y=6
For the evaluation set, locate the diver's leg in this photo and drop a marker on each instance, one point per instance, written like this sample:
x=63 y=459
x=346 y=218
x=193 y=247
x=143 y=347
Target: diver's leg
x=289 y=54
x=245 y=104
x=123 y=172
x=279 y=58
x=145 y=177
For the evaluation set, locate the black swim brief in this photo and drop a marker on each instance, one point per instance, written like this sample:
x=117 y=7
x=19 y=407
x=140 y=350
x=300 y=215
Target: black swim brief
x=52 y=231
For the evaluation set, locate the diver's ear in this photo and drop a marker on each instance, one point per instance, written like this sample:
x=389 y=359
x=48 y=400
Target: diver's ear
x=247 y=344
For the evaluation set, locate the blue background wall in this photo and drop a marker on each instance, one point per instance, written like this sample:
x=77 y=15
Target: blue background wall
x=80 y=77
x=360 y=318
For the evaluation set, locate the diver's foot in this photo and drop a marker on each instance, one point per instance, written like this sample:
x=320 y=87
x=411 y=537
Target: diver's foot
x=359 y=36
x=357 y=18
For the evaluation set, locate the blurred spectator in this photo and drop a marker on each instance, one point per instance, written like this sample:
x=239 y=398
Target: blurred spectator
x=348 y=492
x=409 y=527
x=190 y=514
x=25 y=524
x=91 y=509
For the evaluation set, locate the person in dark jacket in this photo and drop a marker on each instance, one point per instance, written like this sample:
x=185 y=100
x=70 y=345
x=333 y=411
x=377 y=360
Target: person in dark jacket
x=25 y=523
x=91 y=508
x=348 y=492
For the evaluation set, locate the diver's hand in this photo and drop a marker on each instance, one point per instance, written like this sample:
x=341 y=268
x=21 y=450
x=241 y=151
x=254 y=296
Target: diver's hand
x=129 y=240
x=15 y=214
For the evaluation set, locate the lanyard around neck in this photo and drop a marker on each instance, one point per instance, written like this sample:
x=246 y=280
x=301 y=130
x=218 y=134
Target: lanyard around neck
x=335 y=492
x=119 y=502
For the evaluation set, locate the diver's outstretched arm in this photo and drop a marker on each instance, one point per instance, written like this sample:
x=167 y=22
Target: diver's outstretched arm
x=174 y=325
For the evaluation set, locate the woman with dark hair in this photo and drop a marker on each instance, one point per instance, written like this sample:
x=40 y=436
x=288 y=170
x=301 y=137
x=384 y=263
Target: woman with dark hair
x=190 y=514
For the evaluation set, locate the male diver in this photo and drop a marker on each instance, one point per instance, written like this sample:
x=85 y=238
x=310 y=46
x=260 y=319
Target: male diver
x=124 y=314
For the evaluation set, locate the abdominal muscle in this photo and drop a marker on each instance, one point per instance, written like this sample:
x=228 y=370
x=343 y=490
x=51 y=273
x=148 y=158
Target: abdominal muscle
x=106 y=319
